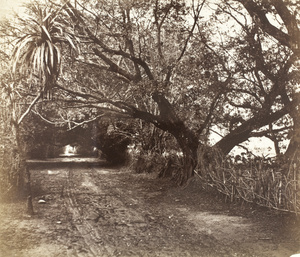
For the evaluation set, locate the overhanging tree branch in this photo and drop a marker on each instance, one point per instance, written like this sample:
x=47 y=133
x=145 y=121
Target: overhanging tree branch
x=113 y=66
x=243 y=132
x=76 y=16
x=30 y=107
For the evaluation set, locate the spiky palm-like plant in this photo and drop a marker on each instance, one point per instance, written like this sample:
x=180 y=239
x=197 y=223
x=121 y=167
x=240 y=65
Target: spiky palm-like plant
x=37 y=51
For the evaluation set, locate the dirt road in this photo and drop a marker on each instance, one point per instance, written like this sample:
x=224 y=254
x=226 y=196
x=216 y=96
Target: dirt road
x=83 y=210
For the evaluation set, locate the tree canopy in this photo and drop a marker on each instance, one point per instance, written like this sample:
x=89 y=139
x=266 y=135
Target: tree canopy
x=185 y=67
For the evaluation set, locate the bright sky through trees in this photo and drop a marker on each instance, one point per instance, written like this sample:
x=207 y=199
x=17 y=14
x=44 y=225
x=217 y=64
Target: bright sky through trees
x=221 y=24
x=8 y=6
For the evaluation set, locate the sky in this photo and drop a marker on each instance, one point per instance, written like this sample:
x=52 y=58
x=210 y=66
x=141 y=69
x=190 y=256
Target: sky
x=6 y=7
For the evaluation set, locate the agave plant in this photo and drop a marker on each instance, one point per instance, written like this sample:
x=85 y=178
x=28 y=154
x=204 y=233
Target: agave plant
x=37 y=50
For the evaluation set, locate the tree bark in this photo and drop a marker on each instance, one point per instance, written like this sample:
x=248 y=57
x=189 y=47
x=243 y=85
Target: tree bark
x=187 y=140
x=294 y=145
x=23 y=183
x=168 y=121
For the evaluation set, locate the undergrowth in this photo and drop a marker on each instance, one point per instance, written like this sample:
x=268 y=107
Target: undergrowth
x=272 y=183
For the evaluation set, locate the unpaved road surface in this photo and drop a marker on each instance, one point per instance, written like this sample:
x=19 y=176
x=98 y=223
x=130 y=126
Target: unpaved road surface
x=86 y=210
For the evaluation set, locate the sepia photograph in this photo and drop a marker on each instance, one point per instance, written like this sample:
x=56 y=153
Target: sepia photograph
x=149 y=128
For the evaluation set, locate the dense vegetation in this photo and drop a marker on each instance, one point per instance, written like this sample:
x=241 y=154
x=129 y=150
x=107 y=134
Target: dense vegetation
x=157 y=77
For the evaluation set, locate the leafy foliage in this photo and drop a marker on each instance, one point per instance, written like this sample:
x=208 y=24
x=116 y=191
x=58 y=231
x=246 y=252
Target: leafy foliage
x=162 y=62
x=112 y=138
x=37 y=48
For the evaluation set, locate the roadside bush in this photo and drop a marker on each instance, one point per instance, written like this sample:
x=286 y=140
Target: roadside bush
x=271 y=183
x=146 y=162
x=154 y=151
x=114 y=148
x=112 y=140
x=12 y=170
x=8 y=171
x=167 y=164
x=12 y=177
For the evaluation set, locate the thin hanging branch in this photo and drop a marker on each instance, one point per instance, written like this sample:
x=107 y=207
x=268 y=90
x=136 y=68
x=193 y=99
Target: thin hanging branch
x=78 y=124
x=44 y=119
x=30 y=107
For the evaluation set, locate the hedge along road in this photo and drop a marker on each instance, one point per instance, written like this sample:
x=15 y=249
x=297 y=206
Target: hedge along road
x=86 y=210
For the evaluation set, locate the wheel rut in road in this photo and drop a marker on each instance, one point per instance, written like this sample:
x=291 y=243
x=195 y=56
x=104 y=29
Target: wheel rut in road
x=115 y=218
x=89 y=210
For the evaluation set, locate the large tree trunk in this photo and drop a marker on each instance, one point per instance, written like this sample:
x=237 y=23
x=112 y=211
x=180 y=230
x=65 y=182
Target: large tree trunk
x=188 y=143
x=294 y=145
x=187 y=140
x=293 y=148
x=168 y=121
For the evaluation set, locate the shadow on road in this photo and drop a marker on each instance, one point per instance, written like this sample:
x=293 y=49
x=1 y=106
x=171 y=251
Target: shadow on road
x=84 y=208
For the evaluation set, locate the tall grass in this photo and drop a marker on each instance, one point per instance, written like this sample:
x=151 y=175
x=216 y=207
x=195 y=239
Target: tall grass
x=270 y=183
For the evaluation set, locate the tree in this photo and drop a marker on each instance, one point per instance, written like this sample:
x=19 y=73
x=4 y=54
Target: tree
x=162 y=62
x=130 y=67
x=15 y=106
x=35 y=39
x=134 y=51
x=37 y=49
x=269 y=75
